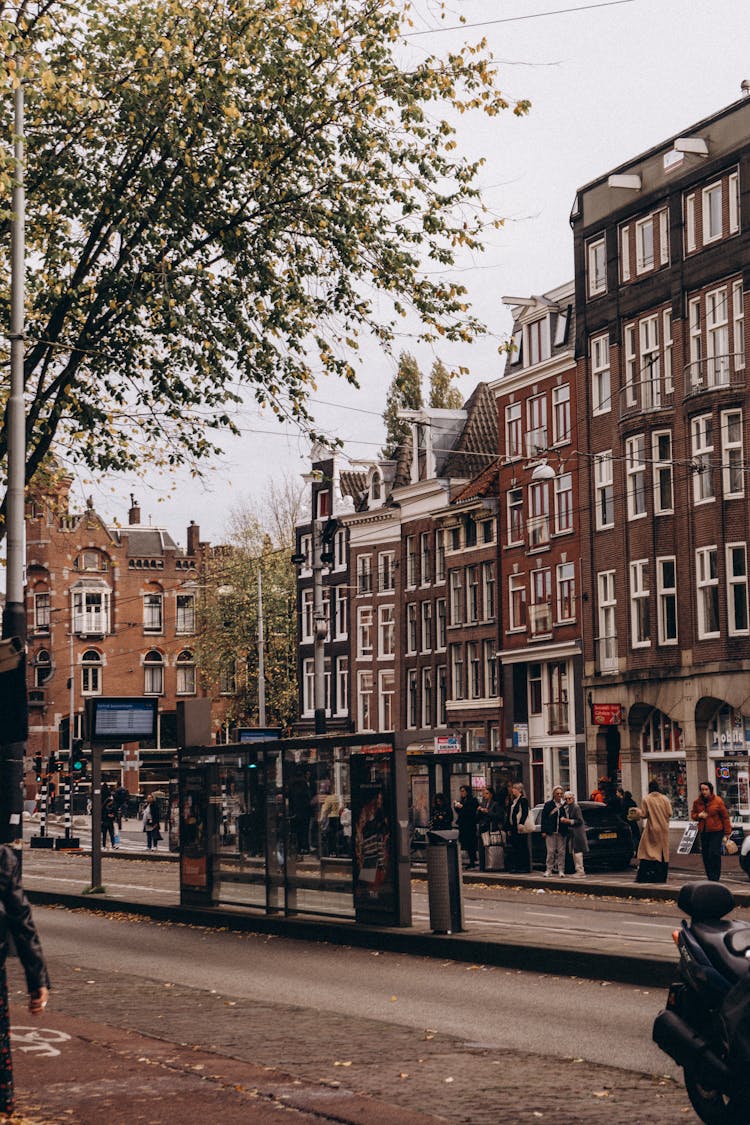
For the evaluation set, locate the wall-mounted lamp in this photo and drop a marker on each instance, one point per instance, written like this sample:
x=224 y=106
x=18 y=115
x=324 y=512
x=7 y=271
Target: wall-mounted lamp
x=543 y=471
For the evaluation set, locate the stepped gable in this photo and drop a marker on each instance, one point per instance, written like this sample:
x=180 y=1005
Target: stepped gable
x=486 y=484
x=477 y=444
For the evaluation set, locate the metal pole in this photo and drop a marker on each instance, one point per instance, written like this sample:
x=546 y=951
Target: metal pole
x=96 y=817
x=12 y=752
x=71 y=721
x=261 y=654
x=320 y=629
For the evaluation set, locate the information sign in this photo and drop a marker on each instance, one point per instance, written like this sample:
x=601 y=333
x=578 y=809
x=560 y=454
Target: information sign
x=685 y=845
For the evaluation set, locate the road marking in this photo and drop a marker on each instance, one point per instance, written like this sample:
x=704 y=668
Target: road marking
x=658 y=925
x=543 y=914
x=38 y=1039
x=114 y=886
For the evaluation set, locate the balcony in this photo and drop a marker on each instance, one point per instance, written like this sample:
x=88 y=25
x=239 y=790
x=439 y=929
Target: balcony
x=719 y=372
x=558 y=721
x=606 y=651
x=540 y=620
x=644 y=396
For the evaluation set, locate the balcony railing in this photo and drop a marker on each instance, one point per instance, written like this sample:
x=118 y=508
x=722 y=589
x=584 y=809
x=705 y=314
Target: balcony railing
x=607 y=654
x=646 y=395
x=540 y=619
x=715 y=373
x=557 y=718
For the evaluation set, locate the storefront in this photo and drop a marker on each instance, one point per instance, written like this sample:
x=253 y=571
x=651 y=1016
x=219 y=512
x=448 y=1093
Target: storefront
x=728 y=744
x=663 y=757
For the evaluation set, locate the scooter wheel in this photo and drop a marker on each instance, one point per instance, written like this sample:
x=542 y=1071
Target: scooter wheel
x=714 y=1107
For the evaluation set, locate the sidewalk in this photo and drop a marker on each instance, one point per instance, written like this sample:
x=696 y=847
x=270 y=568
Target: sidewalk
x=77 y=1071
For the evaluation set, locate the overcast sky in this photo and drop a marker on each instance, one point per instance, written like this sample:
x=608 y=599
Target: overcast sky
x=606 y=82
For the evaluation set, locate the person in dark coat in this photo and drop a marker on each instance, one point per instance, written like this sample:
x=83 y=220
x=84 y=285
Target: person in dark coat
x=441 y=817
x=466 y=818
x=554 y=833
x=518 y=853
x=109 y=817
x=16 y=921
x=489 y=819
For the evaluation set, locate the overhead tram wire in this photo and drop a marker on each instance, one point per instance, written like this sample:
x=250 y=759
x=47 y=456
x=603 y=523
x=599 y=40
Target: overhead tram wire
x=518 y=19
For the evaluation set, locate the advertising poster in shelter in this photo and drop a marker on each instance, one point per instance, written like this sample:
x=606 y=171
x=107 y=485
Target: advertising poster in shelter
x=194 y=868
x=373 y=825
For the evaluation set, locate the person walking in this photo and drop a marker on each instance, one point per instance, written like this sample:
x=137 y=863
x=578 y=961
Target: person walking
x=151 y=822
x=653 y=848
x=122 y=796
x=109 y=818
x=16 y=922
x=554 y=833
x=518 y=854
x=714 y=828
x=489 y=819
x=466 y=821
x=579 y=845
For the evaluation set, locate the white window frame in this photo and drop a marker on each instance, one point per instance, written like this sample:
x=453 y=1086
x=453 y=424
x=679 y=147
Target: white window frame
x=472 y=594
x=42 y=611
x=513 y=431
x=717 y=337
x=666 y=598
x=604 y=489
x=607 y=620
x=185 y=678
x=439 y=555
x=425 y=626
x=307 y=634
x=663 y=471
x=649 y=377
x=412 y=562
x=640 y=595
x=536 y=344
x=565 y=581
x=632 y=376
x=738 y=325
x=342 y=685
x=625 y=253
x=733 y=191
x=488 y=591
x=364 y=631
x=561 y=414
x=563 y=503
x=441 y=624
x=185 y=615
x=635 y=476
x=536 y=425
x=411 y=628
x=424 y=558
x=364 y=574
x=456 y=658
x=386 y=632
x=596 y=266
x=737 y=602
x=153 y=674
x=339 y=549
x=707 y=587
x=732 y=456
x=456 y=597
x=342 y=613
x=365 y=692
x=386 y=572
x=92 y=673
x=515 y=509
x=427 y=698
x=702 y=449
x=90 y=606
x=412 y=699
x=645 y=245
x=517 y=603
x=709 y=195
x=537 y=528
x=491 y=678
x=601 y=376
x=689 y=219
x=387 y=699
x=666 y=321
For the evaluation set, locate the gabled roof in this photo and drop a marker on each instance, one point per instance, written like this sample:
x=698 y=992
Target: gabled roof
x=147 y=542
x=486 y=484
x=477 y=443
x=352 y=483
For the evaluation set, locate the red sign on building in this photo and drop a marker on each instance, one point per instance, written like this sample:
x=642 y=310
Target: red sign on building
x=606 y=714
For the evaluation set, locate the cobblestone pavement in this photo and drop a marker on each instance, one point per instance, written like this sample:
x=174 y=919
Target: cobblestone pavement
x=430 y=1073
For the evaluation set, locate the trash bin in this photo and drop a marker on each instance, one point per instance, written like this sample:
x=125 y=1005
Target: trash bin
x=444 y=884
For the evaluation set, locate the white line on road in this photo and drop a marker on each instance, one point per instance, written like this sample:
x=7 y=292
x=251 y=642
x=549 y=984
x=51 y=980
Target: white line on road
x=544 y=914
x=114 y=886
x=652 y=925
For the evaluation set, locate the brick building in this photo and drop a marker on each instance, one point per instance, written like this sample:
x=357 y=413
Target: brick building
x=661 y=267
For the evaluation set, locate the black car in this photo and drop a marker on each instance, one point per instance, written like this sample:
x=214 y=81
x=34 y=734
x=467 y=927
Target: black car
x=609 y=838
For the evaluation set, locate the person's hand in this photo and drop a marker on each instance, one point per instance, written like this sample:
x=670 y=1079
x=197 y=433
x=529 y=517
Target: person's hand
x=38 y=1001
x=702 y=816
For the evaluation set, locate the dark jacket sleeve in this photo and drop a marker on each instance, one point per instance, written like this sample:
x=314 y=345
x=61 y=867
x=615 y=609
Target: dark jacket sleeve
x=20 y=923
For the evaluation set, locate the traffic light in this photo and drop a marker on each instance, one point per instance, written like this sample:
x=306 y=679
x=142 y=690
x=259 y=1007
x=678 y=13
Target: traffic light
x=77 y=759
x=52 y=763
x=38 y=766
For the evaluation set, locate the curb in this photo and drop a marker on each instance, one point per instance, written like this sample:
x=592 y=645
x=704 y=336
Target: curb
x=594 y=965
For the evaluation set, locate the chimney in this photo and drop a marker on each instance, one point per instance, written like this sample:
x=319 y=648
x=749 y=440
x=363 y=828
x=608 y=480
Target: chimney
x=193 y=538
x=134 y=514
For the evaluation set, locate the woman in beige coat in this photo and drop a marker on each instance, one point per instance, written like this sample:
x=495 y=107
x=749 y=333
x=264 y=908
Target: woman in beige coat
x=653 y=850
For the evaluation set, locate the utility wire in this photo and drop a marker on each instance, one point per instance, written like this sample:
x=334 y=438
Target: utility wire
x=518 y=19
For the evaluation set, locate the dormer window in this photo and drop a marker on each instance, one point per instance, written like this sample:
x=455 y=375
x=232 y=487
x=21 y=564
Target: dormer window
x=376 y=486
x=90 y=561
x=537 y=342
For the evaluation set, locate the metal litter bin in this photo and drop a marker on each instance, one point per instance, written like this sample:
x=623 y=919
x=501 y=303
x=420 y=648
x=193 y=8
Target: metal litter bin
x=444 y=883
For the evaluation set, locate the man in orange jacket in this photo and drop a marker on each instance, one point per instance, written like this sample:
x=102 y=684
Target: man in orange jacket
x=714 y=828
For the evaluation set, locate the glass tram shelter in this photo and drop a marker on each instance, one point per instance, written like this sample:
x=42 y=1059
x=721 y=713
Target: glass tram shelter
x=315 y=825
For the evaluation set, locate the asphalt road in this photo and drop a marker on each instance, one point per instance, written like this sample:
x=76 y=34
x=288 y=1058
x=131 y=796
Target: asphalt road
x=472 y=1043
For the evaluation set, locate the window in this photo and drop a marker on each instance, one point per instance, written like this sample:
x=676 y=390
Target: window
x=411 y=627
x=427 y=698
x=640 y=620
x=491 y=681
x=364 y=574
x=513 y=431
x=601 y=393
x=153 y=673
x=717 y=338
x=305 y=549
x=535 y=689
x=152 y=613
x=561 y=413
x=412 y=713
x=185 y=673
x=514 y=502
x=364 y=631
x=90 y=612
x=387 y=688
x=339 y=550
x=563 y=503
x=306 y=617
x=536 y=436
x=185 y=622
x=91 y=561
x=537 y=342
x=91 y=673
x=690 y=242
x=666 y=317
x=457 y=672
x=540 y=614
x=376 y=486
x=666 y=593
x=42 y=667
x=733 y=188
x=635 y=469
x=440 y=624
x=517 y=601
x=625 y=254
x=661 y=454
x=487 y=528
x=456 y=588
x=596 y=262
x=442 y=694
x=472 y=595
x=738 y=325
x=411 y=560
x=732 y=463
x=386 y=631
x=342 y=613
x=386 y=571
x=440 y=555
x=708 y=591
x=737 y=609
x=228 y=678
x=702 y=450
x=538 y=526
x=424 y=557
x=342 y=685
x=712 y=217
x=426 y=616
x=488 y=590
x=604 y=490
x=632 y=378
x=365 y=712
x=308 y=687
x=42 y=612
x=607 y=604
x=474 y=668
x=323 y=504
x=566 y=592
x=644 y=244
x=470 y=531
x=649 y=383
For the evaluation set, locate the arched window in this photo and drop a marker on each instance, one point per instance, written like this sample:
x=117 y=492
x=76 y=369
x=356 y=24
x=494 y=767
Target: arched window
x=91 y=672
x=153 y=673
x=185 y=673
x=376 y=486
x=42 y=667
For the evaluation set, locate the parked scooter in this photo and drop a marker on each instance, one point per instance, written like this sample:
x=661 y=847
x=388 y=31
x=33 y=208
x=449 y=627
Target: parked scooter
x=706 y=1024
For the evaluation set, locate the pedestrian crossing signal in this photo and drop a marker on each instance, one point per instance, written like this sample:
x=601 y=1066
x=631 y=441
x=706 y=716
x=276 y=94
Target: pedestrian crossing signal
x=38 y=767
x=77 y=759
